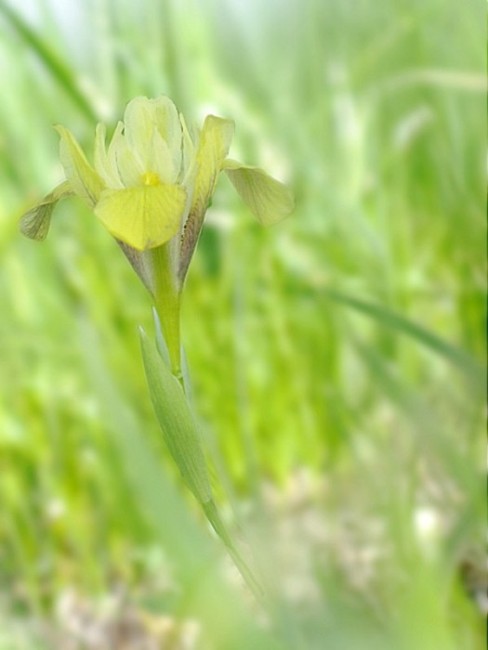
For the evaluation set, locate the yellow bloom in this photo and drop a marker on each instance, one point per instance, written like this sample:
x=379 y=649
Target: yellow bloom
x=155 y=181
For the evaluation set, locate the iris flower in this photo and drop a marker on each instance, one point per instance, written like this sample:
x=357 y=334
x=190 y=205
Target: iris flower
x=154 y=181
x=151 y=188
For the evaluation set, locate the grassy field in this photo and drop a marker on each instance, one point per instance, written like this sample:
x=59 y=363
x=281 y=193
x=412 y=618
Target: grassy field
x=337 y=359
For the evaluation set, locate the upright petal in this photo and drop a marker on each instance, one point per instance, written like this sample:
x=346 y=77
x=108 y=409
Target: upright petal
x=160 y=159
x=138 y=123
x=269 y=200
x=83 y=179
x=168 y=125
x=143 y=217
x=105 y=164
x=188 y=153
x=142 y=117
x=213 y=147
x=35 y=223
x=128 y=163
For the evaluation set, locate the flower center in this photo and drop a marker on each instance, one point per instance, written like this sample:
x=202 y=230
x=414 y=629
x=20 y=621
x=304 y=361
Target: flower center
x=150 y=178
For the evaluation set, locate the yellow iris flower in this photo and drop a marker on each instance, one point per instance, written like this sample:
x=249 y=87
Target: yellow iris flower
x=154 y=181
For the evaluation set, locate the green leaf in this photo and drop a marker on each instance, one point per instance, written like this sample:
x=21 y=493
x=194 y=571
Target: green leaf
x=182 y=439
x=143 y=217
x=269 y=200
x=83 y=179
x=464 y=361
x=160 y=340
x=35 y=223
x=176 y=421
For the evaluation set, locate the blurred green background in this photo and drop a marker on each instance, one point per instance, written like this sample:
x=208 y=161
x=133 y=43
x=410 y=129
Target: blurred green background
x=337 y=359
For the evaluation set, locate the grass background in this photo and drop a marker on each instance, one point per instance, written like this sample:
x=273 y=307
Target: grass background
x=337 y=359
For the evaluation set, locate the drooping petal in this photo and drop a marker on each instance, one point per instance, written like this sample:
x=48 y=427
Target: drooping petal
x=213 y=147
x=143 y=217
x=269 y=200
x=35 y=223
x=83 y=179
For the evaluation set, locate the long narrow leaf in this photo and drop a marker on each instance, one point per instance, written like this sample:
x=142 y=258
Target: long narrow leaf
x=384 y=316
x=51 y=61
x=176 y=421
x=181 y=436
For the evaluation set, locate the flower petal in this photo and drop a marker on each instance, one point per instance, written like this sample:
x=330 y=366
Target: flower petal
x=188 y=153
x=160 y=159
x=143 y=217
x=128 y=163
x=168 y=125
x=35 y=223
x=105 y=164
x=269 y=200
x=83 y=179
x=213 y=147
x=145 y=116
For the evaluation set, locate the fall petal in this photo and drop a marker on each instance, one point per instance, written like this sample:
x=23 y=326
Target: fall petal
x=143 y=217
x=35 y=223
x=268 y=199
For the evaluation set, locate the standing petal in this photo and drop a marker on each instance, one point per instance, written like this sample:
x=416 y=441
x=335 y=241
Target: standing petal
x=269 y=200
x=83 y=179
x=143 y=217
x=145 y=116
x=188 y=153
x=105 y=163
x=160 y=159
x=213 y=147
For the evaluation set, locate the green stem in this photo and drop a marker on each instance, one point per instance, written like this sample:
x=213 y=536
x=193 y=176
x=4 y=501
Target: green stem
x=167 y=300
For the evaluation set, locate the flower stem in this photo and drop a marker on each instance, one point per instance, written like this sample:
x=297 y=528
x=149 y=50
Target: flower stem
x=167 y=300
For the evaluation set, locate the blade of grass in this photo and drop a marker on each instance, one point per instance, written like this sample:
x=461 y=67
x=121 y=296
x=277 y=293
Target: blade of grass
x=53 y=64
x=388 y=318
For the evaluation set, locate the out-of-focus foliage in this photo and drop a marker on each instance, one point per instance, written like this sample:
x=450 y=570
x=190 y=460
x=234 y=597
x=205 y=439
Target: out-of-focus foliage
x=344 y=345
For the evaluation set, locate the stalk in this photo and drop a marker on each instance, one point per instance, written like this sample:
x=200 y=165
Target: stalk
x=167 y=301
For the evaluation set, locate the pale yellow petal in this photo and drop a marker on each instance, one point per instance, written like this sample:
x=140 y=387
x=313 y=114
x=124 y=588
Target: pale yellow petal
x=160 y=159
x=35 y=223
x=105 y=165
x=269 y=200
x=142 y=117
x=188 y=152
x=129 y=166
x=83 y=179
x=143 y=217
x=168 y=125
x=213 y=147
